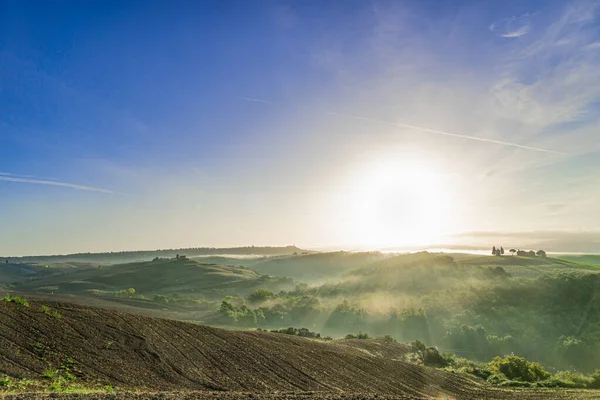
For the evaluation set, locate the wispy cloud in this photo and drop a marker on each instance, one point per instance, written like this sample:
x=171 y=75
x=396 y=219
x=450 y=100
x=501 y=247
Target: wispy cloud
x=16 y=175
x=512 y=27
x=553 y=78
x=456 y=135
x=4 y=176
x=516 y=33
x=256 y=100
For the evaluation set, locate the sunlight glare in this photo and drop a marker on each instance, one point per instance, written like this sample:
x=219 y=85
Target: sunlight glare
x=400 y=204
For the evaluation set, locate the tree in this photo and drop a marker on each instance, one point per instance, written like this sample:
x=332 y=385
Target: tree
x=501 y=250
x=494 y=250
x=540 y=253
x=513 y=251
x=259 y=296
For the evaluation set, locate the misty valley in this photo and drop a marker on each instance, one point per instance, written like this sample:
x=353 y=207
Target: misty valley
x=466 y=313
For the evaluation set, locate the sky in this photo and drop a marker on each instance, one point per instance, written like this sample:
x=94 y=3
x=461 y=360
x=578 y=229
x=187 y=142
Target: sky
x=170 y=124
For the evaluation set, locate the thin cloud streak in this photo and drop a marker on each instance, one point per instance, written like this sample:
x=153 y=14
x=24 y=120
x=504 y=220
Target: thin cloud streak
x=16 y=175
x=256 y=100
x=12 y=178
x=479 y=139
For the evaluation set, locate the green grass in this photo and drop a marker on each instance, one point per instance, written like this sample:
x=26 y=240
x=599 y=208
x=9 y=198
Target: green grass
x=578 y=263
x=587 y=259
x=16 y=300
x=164 y=277
x=50 y=373
x=6 y=382
x=51 y=382
x=49 y=311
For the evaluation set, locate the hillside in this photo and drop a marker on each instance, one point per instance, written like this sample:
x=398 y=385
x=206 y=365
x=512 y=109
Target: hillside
x=11 y=273
x=591 y=259
x=96 y=347
x=121 y=257
x=529 y=267
x=162 y=276
x=314 y=267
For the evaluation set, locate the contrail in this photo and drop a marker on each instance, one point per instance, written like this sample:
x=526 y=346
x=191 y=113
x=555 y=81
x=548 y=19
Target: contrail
x=12 y=178
x=450 y=134
x=255 y=100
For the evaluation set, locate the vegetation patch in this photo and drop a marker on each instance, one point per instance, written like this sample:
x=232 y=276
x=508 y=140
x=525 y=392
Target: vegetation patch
x=17 y=300
x=51 y=312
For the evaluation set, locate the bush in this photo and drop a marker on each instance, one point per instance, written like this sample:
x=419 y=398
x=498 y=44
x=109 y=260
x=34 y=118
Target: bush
x=302 y=332
x=16 y=300
x=53 y=313
x=433 y=358
x=159 y=298
x=418 y=346
x=595 y=383
x=570 y=379
x=388 y=339
x=518 y=368
x=127 y=293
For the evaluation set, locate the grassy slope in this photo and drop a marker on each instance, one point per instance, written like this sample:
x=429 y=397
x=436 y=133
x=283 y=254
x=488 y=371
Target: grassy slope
x=103 y=347
x=11 y=273
x=314 y=267
x=163 y=276
x=589 y=259
x=529 y=267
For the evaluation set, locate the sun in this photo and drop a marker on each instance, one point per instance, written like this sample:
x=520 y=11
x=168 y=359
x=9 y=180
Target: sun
x=400 y=203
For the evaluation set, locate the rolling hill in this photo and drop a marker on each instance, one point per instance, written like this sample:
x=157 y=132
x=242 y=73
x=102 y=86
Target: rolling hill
x=590 y=259
x=315 y=267
x=529 y=267
x=59 y=342
x=121 y=257
x=183 y=277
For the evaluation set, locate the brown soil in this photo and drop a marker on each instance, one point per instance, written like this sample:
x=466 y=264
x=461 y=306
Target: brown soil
x=107 y=347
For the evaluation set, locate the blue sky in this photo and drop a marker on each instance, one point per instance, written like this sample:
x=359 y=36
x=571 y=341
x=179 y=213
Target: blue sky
x=171 y=124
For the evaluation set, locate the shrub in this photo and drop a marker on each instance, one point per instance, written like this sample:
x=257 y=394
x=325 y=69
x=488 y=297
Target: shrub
x=433 y=358
x=5 y=382
x=16 y=299
x=418 y=346
x=53 y=313
x=159 y=298
x=595 y=383
x=388 y=339
x=127 y=293
x=50 y=373
x=570 y=379
x=518 y=368
x=302 y=332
